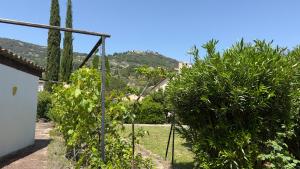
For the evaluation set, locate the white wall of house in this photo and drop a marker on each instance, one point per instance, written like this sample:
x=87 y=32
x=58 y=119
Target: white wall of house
x=17 y=109
x=162 y=85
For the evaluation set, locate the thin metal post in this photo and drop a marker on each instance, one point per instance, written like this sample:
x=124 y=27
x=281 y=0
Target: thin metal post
x=173 y=145
x=133 y=145
x=103 y=78
x=170 y=134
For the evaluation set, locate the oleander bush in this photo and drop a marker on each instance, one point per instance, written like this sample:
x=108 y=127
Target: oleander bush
x=241 y=106
x=77 y=113
x=294 y=141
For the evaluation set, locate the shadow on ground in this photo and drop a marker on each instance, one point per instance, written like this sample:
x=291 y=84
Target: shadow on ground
x=183 y=165
x=187 y=145
x=38 y=145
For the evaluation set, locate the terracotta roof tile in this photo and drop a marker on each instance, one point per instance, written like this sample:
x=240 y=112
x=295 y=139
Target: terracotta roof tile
x=13 y=60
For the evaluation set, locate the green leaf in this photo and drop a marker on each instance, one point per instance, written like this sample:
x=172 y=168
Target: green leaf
x=77 y=92
x=70 y=132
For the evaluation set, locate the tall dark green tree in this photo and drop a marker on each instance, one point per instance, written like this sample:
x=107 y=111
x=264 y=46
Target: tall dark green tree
x=96 y=60
x=107 y=67
x=53 y=50
x=67 y=56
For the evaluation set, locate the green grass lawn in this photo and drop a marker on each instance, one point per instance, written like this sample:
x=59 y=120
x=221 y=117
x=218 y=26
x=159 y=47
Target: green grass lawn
x=157 y=140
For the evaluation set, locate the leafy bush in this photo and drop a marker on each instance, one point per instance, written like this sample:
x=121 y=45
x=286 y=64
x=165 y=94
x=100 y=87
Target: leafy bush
x=294 y=140
x=44 y=103
x=150 y=112
x=235 y=103
x=76 y=110
x=278 y=154
x=152 y=108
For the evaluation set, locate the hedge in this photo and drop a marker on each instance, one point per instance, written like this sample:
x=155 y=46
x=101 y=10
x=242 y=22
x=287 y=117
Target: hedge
x=239 y=106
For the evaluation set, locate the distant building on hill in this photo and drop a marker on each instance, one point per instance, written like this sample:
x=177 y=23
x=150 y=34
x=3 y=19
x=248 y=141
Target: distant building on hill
x=182 y=65
x=161 y=85
x=164 y=83
x=41 y=85
x=132 y=97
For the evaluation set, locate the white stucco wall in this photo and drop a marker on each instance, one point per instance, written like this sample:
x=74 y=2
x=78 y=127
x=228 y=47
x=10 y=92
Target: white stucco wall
x=18 y=112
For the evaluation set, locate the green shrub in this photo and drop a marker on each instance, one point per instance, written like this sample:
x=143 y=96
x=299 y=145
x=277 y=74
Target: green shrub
x=150 y=112
x=44 y=103
x=77 y=113
x=294 y=140
x=235 y=102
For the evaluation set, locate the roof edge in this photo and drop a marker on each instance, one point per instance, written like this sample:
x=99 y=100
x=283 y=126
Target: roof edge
x=13 y=60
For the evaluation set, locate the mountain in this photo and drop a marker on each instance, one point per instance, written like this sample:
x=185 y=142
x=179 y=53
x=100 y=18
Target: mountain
x=33 y=52
x=122 y=64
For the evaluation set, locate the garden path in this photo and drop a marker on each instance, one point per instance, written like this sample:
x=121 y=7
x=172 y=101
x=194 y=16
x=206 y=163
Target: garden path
x=156 y=159
x=35 y=156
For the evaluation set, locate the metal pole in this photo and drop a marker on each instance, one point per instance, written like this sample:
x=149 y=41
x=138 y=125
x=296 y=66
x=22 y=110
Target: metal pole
x=91 y=53
x=133 y=145
x=169 y=141
x=14 y=22
x=103 y=78
x=173 y=145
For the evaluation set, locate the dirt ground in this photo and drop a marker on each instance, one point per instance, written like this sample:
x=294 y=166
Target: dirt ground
x=36 y=156
x=33 y=157
x=157 y=160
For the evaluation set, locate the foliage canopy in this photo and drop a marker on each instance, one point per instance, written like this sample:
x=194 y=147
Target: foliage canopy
x=67 y=56
x=235 y=103
x=53 y=48
x=76 y=110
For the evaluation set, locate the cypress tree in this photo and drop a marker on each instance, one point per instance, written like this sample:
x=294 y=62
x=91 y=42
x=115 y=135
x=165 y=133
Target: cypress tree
x=67 y=56
x=95 y=64
x=96 y=60
x=107 y=67
x=53 y=50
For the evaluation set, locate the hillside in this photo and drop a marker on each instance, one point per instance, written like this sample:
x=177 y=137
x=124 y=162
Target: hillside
x=122 y=64
x=31 y=51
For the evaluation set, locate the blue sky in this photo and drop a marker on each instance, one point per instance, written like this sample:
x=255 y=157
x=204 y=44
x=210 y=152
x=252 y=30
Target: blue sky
x=170 y=27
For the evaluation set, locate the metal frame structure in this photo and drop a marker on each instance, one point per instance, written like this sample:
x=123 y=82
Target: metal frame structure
x=172 y=133
x=102 y=36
